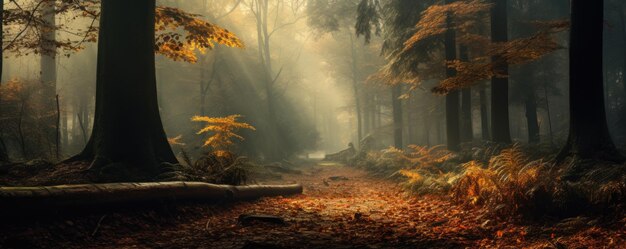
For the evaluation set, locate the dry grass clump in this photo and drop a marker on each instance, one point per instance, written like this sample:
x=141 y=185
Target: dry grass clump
x=222 y=169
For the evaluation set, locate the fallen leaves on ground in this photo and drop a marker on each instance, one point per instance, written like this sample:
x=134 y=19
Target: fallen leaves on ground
x=360 y=212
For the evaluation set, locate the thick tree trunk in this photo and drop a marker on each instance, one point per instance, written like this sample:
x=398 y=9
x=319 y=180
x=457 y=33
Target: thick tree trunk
x=452 y=99
x=501 y=132
x=127 y=126
x=467 y=131
x=25 y=200
x=589 y=136
x=396 y=92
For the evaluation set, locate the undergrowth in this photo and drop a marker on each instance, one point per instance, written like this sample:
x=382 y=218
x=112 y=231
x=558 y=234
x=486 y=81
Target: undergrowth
x=505 y=180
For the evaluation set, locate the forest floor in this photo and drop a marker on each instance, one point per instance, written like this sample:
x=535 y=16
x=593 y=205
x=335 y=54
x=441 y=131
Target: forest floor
x=341 y=207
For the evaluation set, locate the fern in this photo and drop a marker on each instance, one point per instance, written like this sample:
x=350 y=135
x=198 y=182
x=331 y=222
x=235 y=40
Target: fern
x=223 y=132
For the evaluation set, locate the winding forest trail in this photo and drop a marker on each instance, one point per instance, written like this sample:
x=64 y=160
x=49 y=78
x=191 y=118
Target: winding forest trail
x=342 y=207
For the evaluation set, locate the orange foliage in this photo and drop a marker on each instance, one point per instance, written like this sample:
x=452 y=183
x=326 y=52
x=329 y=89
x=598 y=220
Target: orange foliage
x=467 y=18
x=223 y=130
x=199 y=35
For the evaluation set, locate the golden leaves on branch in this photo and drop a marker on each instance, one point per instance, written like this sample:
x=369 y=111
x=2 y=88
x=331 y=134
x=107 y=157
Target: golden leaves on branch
x=433 y=20
x=223 y=131
x=416 y=63
x=178 y=34
x=199 y=35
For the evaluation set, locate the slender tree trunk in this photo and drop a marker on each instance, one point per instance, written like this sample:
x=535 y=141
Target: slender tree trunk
x=1 y=39
x=427 y=123
x=484 y=113
x=396 y=92
x=452 y=99
x=367 y=128
x=589 y=136
x=127 y=127
x=65 y=131
x=501 y=132
x=467 y=131
x=623 y=19
x=355 y=88
x=4 y=155
x=48 y=66
x=58 y=129
x=548 y=112
x=48 y=57
x=530 y=105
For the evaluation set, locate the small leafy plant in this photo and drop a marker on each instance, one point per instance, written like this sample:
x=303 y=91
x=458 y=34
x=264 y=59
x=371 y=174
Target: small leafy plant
x=223 y=131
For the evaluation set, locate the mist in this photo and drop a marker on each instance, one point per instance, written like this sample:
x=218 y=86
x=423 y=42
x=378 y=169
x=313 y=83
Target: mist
x=314 y=123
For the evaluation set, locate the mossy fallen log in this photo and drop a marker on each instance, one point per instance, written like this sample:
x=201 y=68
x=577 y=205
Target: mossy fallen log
x=119 y=194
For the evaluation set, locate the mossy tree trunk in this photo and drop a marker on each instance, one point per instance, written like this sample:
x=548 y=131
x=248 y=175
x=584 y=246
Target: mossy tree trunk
x=127 y=127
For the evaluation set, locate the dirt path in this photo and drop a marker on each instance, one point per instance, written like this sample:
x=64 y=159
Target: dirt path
x=353 y=211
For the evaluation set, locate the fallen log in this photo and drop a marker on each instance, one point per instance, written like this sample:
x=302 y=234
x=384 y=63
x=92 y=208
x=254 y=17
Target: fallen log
x=118 y=194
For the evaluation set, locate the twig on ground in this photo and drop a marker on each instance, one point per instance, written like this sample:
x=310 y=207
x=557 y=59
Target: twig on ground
x=95 y=231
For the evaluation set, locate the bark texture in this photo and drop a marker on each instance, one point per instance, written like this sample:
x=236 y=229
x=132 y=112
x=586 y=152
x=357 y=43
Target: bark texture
x=127 y=125
x=589 y=136
x=50 y=198
x=501 y=132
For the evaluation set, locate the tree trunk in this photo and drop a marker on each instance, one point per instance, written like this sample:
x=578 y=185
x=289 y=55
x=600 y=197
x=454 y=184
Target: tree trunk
x=25 y=200
x=501 y=132
x=48 y=55
x=467 y=131
x=530 y=102
x=548 y=112
x=452 y=99
x=396 y=91
x=4 y=155
x=484 y=113
x=355 y=88
x=427 y=118
x=127 y=126
x=623 y=19
x=530 y=105
x=589 y=136
x=1 y=39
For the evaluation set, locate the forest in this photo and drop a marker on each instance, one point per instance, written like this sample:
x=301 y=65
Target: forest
x=276 y=124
